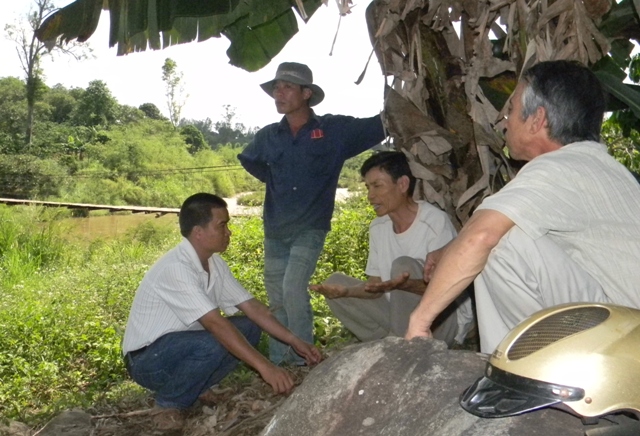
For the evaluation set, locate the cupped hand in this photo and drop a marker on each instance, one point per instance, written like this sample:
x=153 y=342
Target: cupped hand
x=388 y=285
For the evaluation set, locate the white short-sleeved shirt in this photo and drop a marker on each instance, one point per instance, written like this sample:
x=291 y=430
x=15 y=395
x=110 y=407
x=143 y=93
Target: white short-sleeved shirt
x=176 y=292
x=430 y=230
x=589 y=205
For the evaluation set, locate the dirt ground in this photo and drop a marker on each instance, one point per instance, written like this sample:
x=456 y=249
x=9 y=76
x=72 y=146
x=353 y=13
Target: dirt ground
x=241 y=409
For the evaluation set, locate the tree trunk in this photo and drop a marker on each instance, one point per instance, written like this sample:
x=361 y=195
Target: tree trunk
x=427 y=108
x=32 y=83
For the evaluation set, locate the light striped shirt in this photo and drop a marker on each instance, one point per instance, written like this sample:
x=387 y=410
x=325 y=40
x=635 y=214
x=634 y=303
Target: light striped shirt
x=176 y=292
x=589 y=205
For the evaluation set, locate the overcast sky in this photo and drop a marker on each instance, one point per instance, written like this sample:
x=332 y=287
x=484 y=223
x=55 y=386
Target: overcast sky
x=210 y=81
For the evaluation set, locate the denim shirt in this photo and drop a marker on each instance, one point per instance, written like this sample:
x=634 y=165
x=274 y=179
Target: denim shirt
x=301 y=172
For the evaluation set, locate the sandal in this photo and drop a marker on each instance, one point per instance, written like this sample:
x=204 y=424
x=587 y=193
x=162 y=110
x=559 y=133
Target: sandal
x=208 y=398
x=168 y=419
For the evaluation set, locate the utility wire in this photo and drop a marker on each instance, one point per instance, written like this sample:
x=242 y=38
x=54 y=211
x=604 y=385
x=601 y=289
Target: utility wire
x=88 y=174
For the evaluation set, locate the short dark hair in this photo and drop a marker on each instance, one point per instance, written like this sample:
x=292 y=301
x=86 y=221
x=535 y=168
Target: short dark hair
x=394 y=163
x=571 y=96
x=197 y=211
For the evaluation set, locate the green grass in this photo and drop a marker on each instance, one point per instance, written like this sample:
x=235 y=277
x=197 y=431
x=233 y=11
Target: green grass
x=66 y=290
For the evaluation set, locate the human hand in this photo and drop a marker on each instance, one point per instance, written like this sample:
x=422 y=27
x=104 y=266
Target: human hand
x=430 y=263
x=330 y=291
x=309 y=352
x=388 y=285
x=278 y=378
x=418 y=326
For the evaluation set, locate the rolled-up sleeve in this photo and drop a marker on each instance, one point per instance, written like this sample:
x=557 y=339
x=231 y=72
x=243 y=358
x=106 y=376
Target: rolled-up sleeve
x=252 y=159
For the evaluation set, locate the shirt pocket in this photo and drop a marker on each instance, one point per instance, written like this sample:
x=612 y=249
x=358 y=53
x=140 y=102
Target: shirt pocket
x=321 y=159
x=280 y=168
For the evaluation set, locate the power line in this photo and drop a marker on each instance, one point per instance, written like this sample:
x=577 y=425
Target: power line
x=88 y=174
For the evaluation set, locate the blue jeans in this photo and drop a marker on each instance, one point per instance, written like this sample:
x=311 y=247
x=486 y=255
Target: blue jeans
x=180 y=366
x=288 y=266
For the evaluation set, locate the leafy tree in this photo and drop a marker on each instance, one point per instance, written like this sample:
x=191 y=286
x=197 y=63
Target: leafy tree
x=128 y=114
x=62 y=103
x=223 y=132
x=625 y=148
x=27 y=176
x=204 y=126
x=30 y=51
x=621 y=131
x=194 y=138
x=174 y=90
x=151 y=111
x=13 y=113
x=230 y=132
x=96 y=106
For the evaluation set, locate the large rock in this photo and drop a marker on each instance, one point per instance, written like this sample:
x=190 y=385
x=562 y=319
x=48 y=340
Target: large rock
x=396 y=387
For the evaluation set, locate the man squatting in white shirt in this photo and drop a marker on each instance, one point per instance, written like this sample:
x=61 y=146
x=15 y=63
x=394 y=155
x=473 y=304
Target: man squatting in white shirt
x=177 y=343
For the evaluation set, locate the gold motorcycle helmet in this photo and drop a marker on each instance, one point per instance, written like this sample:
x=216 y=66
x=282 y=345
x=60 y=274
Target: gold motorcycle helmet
x=583 y=358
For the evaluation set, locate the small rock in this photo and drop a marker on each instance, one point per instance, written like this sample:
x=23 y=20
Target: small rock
x=368 y=421
x=69 y=423
x=15 y=428
x=206 y=410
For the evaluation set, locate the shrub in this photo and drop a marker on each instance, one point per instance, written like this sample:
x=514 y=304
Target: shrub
x=252 y=199
x=63 y=322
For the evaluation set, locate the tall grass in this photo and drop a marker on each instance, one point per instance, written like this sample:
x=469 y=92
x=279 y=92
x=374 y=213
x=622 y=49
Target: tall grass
x=64 y=305
x=62 y=311
x=29 y=242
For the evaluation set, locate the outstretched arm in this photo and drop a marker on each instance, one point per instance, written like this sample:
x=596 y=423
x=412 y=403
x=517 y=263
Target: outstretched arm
x=460 y=262
x=261 y=315
x=354 y=291
x=402 y=282
x=231 y=338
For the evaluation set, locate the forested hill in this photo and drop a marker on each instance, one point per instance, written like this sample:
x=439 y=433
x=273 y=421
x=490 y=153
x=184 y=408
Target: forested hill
x=88 y=148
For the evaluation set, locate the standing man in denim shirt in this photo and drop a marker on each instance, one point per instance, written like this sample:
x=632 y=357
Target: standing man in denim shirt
x=300 y=159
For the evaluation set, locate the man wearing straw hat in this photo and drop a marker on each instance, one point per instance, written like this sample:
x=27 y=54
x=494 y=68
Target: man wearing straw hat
x=299 y=159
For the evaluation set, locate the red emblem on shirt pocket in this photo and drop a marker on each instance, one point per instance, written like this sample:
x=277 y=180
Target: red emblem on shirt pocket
x=317 y=134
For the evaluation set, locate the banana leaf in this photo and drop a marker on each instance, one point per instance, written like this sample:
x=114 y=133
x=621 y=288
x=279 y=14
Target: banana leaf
x=257 y=29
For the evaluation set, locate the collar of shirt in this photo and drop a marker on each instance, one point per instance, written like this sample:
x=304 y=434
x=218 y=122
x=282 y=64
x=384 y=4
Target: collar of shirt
x=314 y=120
x=189 y=252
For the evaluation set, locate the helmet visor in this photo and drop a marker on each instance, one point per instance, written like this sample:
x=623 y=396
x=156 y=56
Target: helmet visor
x=499 y=394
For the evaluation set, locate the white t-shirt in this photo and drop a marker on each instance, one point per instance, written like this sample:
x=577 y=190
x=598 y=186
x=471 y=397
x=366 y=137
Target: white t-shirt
x=431 y=230
x=589 y=205
x=176 y=292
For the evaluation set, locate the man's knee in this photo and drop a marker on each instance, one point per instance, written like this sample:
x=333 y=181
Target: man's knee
x=407 y=264
x=339 y=278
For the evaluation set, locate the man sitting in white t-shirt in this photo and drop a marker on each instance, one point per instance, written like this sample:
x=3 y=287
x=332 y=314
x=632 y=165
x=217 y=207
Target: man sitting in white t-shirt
x=177 y=343
x=399 y=240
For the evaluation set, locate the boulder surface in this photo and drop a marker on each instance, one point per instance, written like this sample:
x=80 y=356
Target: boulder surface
x=396 y=387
